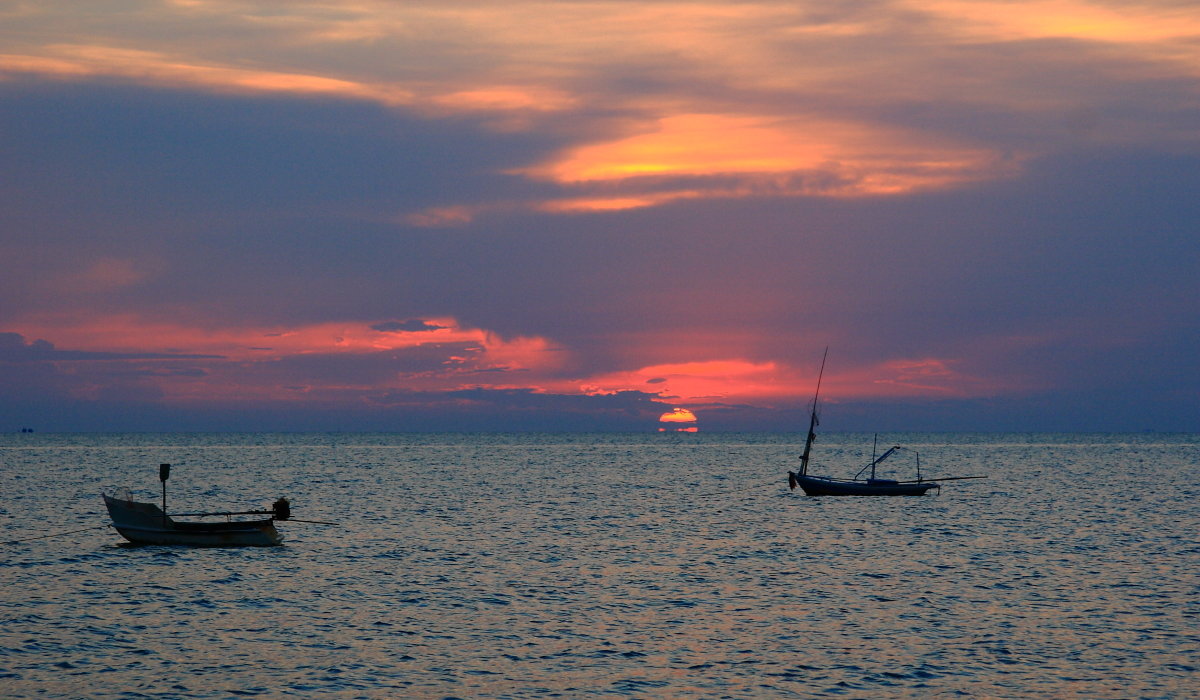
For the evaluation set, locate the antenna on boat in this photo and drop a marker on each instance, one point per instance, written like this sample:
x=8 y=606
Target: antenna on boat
x=164 y=473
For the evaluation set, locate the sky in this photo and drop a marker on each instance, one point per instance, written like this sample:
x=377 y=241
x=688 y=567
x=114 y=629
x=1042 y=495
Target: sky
x=602 y=215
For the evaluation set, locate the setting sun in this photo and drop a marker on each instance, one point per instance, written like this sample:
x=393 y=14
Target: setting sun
x=684 y=420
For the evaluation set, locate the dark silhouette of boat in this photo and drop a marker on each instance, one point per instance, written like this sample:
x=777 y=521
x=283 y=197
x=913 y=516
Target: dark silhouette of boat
x=870 y=486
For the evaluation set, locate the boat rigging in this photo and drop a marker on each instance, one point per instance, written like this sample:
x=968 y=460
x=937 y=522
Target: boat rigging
x=870 y=486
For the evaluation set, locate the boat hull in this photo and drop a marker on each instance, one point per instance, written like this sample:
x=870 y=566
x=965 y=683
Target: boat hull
x=144 y=523
x=825 y=486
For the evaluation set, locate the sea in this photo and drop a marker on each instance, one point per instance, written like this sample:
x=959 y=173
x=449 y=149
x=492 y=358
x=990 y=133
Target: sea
x=657 y=565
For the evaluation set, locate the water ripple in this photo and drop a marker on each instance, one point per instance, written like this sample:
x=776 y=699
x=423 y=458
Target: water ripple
x=567 y=566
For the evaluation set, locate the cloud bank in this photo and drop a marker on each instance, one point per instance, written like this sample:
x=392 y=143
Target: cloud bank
x=557 y=215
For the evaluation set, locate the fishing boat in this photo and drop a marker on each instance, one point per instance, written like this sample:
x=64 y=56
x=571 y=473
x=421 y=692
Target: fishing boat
x=146 y=523
x=870 y=486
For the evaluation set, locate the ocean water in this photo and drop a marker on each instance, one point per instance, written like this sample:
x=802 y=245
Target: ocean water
x=629 y=566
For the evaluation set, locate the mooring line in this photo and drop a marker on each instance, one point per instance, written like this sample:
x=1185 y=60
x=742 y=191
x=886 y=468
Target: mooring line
x=56 y=534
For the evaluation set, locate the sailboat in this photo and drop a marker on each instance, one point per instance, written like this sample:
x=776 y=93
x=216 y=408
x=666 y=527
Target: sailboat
x=870 y=486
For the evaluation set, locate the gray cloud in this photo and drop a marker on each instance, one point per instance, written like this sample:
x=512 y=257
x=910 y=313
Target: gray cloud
x=14 y=348
x=414 y=325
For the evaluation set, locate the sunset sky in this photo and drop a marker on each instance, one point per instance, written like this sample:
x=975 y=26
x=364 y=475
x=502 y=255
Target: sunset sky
x=457 y=215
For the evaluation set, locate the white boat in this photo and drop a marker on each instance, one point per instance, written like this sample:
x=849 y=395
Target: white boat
x=146 y=523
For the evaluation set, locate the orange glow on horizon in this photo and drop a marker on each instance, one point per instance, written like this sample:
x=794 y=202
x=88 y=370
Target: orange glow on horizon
x=241 y=364
x=772 y=383
x=701 y=382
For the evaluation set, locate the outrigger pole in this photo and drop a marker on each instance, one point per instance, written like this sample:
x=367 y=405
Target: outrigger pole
x=225 y=513
x=281 y=509
x=943 y=478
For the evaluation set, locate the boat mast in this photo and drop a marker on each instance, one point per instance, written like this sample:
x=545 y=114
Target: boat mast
x=164 y=473
x=874 y=448
x=813 y=422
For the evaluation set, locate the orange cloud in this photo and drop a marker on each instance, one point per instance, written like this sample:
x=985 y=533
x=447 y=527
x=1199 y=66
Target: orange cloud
x=128 y=333
x=699 y=382
x=248 y=359
x=439 y=217
x=722 y=122
x=150 y=67
x=505 y=98
x=1076 y=19
x=775 y=383
x=348 y=361
x=611 y=203
x=851 y=158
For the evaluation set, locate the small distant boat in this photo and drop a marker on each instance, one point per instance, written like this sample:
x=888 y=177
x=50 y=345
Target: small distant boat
x=146 y=523
x=871 y=486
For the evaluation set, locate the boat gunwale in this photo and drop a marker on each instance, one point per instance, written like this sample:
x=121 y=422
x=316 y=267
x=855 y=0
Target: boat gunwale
x=231 y=533
x=871 y=482
x=830 y=486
